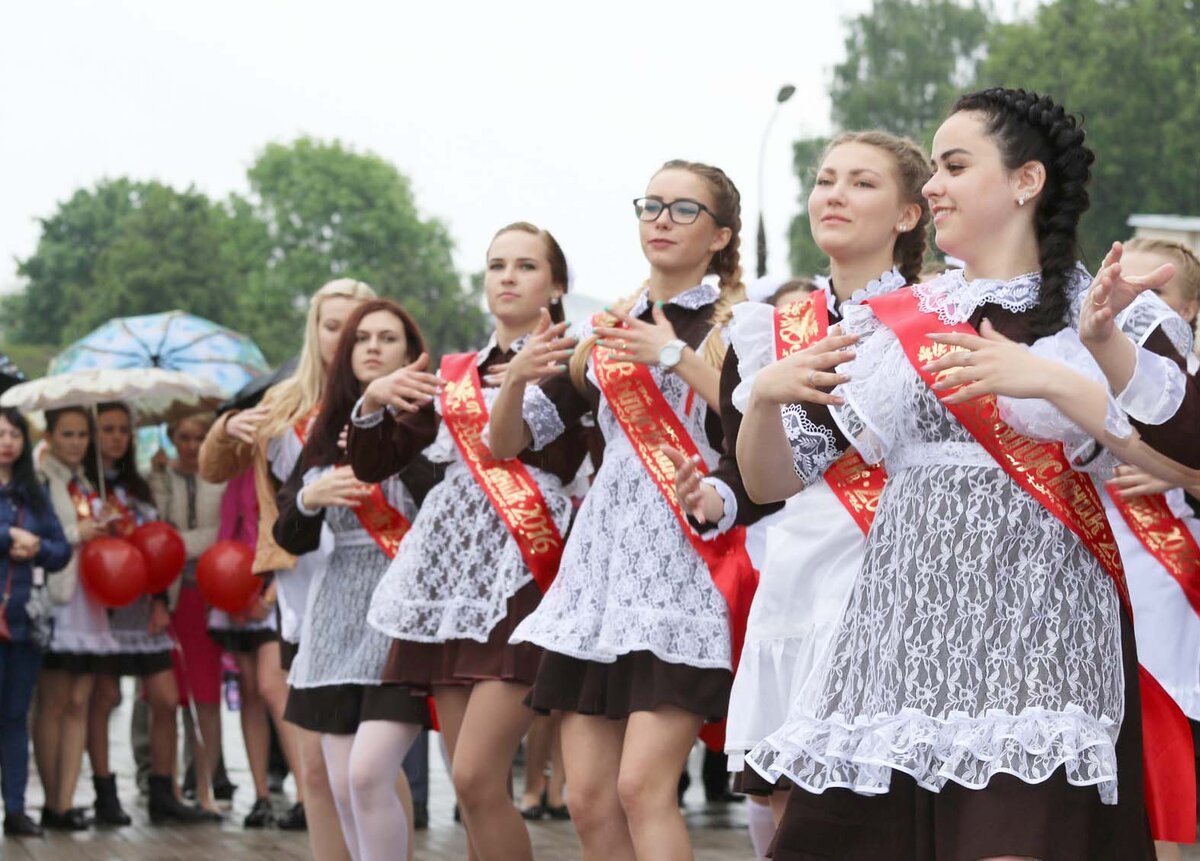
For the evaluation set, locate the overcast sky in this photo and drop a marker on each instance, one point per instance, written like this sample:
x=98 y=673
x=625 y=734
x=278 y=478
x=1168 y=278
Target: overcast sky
x=553 y=112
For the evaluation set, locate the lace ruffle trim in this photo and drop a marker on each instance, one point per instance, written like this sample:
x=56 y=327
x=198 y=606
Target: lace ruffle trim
x=965 y=749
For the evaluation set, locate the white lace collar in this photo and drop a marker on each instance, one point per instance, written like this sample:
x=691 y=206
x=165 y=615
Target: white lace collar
x=888 y=281
x=704 y=293
x=493 y=343
x=954 y=299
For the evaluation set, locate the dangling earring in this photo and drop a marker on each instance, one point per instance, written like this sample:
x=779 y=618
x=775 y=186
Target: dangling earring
x=1021 y=200
x=554 y=300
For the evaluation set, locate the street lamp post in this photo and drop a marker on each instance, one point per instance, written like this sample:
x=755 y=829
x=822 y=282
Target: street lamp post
x=785 y=93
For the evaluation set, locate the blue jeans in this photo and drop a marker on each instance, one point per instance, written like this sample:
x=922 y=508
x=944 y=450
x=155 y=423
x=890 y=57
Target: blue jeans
x=19 y=663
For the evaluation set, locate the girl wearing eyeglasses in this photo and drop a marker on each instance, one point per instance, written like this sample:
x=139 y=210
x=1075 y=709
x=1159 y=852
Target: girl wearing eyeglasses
x=637 y=628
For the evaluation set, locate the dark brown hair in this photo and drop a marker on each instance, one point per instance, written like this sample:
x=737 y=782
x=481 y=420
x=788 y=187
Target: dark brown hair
x=127 y=475
x=343 y=389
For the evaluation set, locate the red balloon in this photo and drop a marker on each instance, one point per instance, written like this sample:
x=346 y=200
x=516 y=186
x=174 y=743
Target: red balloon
x=113 y=571
x=223 y=573
x=164 y=552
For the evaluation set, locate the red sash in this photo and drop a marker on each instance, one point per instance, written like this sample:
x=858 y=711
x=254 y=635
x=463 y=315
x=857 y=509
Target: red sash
x=1167 y=538
x=126 y=520
x=508 y=485
x=384 y=523
x=303 y=426
x=81 y=499
x=650 y=423
x=1042 y=470
x=856 y=484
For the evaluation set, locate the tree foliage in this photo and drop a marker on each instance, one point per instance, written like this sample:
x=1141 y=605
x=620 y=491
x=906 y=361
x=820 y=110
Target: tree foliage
x=1130 y=67
x=316 y=211
x=906 y=60
x=330 y=212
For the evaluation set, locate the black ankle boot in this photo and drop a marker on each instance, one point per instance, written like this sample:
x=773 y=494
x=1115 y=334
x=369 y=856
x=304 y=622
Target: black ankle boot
x=165 y=807
x=20 y=825
x=108 y=806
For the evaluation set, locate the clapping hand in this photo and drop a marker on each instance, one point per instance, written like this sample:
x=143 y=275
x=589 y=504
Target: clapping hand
x=800 y=376
x=338 y=487
x=696 y=498
x=406 y=389
x=1112 y=292
x=639 y=342
x=545 y=354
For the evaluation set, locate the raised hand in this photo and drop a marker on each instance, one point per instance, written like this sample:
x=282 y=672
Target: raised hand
x=800 y=376
x=989 y=364
x=698 y=499
x=545 y=354
x=407 y=389
x=639 y=342
x=334 y=488
x=1111 y=293
x=244 y=426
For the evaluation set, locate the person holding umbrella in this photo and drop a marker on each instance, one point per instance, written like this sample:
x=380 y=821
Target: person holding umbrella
x=30 y=535
x=141 y=632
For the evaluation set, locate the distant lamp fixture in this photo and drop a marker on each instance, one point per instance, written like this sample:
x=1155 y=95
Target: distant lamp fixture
x=785 y=93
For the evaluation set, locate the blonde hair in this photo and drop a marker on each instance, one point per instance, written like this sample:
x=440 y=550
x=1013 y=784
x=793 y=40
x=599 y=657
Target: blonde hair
x=298 y=395
x=726 y=264
x=912 y=172
x=1185 y=260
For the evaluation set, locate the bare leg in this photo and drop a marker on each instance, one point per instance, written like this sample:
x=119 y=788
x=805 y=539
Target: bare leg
x=451 y=709
x=163 y=698
x=779 y=800
x=656 y=747
x=1167 y=851
x=324 y=828
x=558 y=774
x=106 y=693
x=337 y=749
x=255 y=731
x=206 y=755
x=537 y=757
x=273 y=690
x=51 y=696
x=74 y=738
x=384 y=827
x=592 y=756
x=492 y=727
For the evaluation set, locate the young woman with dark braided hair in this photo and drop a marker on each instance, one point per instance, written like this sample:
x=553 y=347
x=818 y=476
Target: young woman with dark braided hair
x=636 y=627
x=981 y=699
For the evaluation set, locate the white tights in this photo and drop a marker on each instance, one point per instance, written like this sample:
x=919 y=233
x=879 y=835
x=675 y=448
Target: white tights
x=762 y=827
x=363 y=770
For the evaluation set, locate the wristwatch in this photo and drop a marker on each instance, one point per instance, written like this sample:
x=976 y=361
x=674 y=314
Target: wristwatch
x=671 y=353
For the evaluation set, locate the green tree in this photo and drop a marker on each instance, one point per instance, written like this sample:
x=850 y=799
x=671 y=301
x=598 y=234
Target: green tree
x=906 y=60
x=60 y=275
x=332 y=212
x=167 y=254
x=1132 y=69
x=804 y=256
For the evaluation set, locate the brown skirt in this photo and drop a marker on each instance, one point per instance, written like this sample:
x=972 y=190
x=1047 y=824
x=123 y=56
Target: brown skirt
x=456 y=663
x=239 y=641
x=750 y=782
x=1050 y=821
x=635 y=682
x=141 y=664
x=339 y=709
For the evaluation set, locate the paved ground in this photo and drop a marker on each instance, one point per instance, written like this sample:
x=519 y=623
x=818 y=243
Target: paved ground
x=718 y=831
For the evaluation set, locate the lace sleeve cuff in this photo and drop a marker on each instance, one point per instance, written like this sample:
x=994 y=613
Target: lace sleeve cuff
x=1155 y=391
x=731 y=508
x=541 y=415
x=814 y=446
x=367 y=421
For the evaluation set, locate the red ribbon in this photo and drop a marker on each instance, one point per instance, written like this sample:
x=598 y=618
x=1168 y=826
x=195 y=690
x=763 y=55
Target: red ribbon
x=508 y=485
x=856 y=484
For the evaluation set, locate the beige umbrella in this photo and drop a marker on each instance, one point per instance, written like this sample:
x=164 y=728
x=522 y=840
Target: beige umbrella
x=156 y=395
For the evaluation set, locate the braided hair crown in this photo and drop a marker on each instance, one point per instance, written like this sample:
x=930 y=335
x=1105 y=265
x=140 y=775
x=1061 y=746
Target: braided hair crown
x=1029 y=127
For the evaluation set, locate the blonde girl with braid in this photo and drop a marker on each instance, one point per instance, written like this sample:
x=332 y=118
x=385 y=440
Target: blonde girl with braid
x=636 y=635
